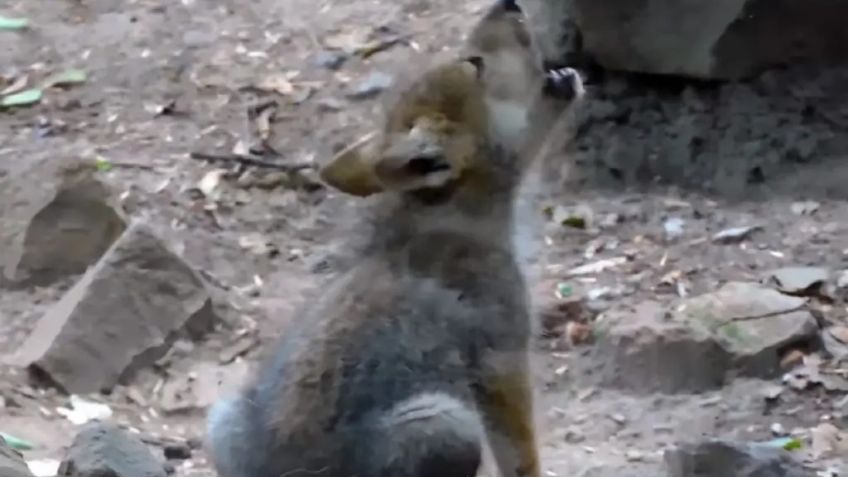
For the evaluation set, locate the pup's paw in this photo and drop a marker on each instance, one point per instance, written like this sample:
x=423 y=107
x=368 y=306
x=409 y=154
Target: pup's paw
x=564 y=83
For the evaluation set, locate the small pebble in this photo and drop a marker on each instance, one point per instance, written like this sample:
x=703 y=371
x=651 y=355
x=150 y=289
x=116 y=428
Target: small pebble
x=371 y=86
x=619 y=419
x=573 y=435
x=177 y=451
x=778 y=430
x=634 y=456
x=332 y=60
x=673 y=228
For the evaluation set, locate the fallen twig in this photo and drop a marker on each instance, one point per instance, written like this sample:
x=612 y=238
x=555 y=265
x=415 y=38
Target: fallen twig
x=250 y=161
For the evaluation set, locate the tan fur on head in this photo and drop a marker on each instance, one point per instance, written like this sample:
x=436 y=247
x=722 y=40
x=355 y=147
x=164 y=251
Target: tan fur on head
x=430 y=137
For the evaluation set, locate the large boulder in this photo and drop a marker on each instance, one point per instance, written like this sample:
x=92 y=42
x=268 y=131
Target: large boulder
x=122 y=315
x=753 y=323
x=55 y=220
x=642 y=349
x=725 y=39
x=738 y=329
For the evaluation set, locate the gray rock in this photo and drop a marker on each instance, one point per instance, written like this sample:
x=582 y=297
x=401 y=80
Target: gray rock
x=55 y=221
x=122 y=315
x=739 y=328
x=752 y=323
x=703 y=39
x=728 y=459
x=332 y=60
x=12 y=463
x=371 y=86
x=642 y=350
x=180 y=451
x=104 y=450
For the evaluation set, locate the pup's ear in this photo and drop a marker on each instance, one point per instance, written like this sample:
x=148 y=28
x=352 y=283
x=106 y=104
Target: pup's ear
x=352 y=170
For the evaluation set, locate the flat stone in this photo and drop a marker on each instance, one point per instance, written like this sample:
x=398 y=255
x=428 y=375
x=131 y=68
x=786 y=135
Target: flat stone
x=642 y=350
x=104 y=450
x=332 y=60
x=122 y=315
x=752 y=323
x=55 y=221
x=739 y=329
x=371 y=86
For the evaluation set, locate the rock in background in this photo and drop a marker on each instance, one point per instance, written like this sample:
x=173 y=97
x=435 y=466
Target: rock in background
x=740 y=328
x=55 y=221
x=729 y=39
x=719 y=96
x=104 y=450
x=122 y=315
x=11 y=462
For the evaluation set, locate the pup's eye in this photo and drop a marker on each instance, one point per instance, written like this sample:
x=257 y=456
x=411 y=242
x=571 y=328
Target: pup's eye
x=423 y=165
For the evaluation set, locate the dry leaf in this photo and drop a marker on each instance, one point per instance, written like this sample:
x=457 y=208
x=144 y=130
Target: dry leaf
x=791 y=359
x=828 y=441
x=18 y=85
x=597 y=267
x=373 y=47
x=257 y=244
x=263 y=122
x=350 y=40
x=278 y=83
x=44 y=467
x=210 y=181
x=83 y=411
x=241 y=148
x=840 y=333
x=578 y=332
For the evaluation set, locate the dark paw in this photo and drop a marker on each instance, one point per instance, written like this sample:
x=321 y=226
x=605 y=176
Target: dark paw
x=564 y=83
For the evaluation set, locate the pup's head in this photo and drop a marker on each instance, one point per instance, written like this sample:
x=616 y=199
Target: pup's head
x=432 y=136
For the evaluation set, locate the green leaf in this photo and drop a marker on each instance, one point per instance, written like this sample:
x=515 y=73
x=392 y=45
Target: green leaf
x=24 y=98
x=66 y=78
x=564 y=290
x=7 y=23
x=787 y=443
x=102 y=165
x=16 y=443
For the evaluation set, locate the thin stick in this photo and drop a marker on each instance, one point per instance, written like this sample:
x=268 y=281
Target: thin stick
x=250 y=161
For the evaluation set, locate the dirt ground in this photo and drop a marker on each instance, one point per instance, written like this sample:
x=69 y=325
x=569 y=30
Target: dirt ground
x=167 y=78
